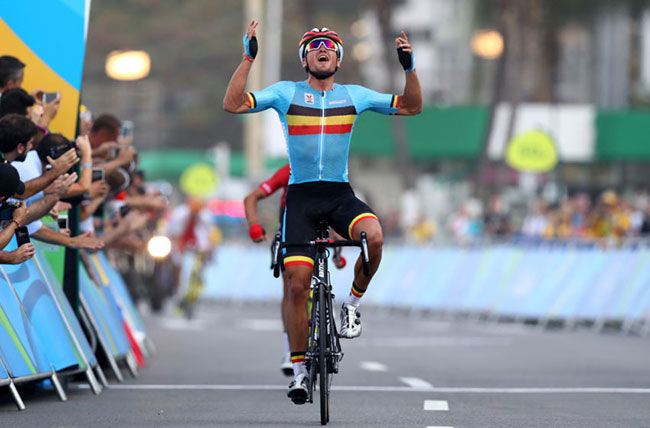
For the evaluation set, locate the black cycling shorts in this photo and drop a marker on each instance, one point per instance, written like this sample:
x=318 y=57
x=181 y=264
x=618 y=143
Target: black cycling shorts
x=309 y=203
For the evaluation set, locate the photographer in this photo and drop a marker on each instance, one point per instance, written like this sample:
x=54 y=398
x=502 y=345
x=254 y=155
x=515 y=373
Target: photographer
x=53 y=146
x=10 y=184
x=43 y=202
x=16 y=142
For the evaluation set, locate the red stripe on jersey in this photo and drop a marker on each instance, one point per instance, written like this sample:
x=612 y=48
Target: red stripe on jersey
x=317 y=129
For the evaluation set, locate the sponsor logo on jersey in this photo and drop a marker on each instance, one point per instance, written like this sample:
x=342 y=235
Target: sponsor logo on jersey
x=309 y=98
x=335 y=102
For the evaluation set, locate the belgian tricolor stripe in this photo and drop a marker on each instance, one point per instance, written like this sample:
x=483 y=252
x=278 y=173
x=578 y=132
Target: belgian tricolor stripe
x=303 y=120
x=297 y=357
x=357 y=219
x=356 y=292
x=251 y=100
x=394 y=102
x=298 y=260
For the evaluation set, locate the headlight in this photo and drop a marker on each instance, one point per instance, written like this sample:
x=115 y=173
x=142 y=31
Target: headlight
x=159 y=247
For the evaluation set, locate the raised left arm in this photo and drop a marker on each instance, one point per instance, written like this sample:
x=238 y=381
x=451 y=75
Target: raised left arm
x=411 y=100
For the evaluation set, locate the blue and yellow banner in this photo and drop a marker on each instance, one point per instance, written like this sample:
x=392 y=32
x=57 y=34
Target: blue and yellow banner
x=49 y=36
x=41 y=308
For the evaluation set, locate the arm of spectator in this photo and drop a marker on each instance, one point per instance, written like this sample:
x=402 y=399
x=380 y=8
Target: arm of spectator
x=130 y=243
x=50 y=111
x=19 y=218
x=148 y=202
x=104 y=149
x=51 y=196
x=58 y=207
x=36 y=114
x=132 y=222
x=89 y=209
x=86 y=170
x=41 y=207
x=17 y=256
x=85 y=240
x=59 y=166
x=125 y=155
x=98 y=192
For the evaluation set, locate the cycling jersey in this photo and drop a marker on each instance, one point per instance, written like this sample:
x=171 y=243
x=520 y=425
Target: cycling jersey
x=318 y=124
x=279 y=180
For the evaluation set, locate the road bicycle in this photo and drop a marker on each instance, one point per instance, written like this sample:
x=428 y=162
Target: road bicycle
x=323 y=347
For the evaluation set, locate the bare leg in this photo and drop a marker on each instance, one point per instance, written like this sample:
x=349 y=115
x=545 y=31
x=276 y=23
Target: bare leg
x=375 y=238
x=296 y=312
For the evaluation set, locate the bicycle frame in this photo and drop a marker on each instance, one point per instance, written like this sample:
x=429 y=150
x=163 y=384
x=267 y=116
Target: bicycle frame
x=323 y=348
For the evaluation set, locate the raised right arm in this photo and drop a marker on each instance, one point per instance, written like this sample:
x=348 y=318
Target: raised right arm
x=235 y=99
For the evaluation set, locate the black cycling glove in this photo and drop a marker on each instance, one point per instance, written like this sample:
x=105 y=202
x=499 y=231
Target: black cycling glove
x=406 y=59
x=250 y=47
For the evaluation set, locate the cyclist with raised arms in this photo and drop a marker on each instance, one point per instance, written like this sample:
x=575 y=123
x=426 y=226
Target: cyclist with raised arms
x=317 y=116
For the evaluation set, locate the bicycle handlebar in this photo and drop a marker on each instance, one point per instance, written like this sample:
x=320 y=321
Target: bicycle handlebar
x=329 y=243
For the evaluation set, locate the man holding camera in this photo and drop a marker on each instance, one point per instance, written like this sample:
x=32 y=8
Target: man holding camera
x=12 y=216
x=17 y=140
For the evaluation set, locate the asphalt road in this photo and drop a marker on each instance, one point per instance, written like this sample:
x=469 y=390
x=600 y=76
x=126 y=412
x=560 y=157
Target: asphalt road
x=222 y=369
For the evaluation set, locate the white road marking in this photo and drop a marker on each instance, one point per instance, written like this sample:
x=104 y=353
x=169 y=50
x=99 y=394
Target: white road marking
x=182 y=324
x=416 y=382
x=432 y=426
x=436 y=405
x=373 y=366
x=451 y=390
x=263 y=324
x=440 y=341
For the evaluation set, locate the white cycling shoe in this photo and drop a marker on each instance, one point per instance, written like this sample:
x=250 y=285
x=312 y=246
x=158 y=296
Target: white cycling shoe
x=286 y=367
x=350 y=322
x=298 y=389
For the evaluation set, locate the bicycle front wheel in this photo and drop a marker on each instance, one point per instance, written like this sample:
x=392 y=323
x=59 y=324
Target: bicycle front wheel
x=323 y=372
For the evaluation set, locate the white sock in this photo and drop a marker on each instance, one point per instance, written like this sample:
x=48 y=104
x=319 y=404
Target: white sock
x=299 y=368
x=354 y=298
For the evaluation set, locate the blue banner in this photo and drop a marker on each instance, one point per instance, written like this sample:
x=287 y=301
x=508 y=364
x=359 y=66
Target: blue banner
x=112 y=279
x=547 y=281
x=104 y=313
x=43 y=312
x=20 y=348
x=68 y=312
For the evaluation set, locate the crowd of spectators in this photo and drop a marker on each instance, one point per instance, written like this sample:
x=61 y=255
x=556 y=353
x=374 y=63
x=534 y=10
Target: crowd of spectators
x=43 y=175
x=605 y=219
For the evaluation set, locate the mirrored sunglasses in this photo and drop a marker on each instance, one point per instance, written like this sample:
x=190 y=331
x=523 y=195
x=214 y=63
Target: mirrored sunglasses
x=316 y=44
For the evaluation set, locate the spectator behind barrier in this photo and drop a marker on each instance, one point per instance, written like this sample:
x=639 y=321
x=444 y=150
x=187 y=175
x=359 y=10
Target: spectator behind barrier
x=16 y=142
x=12 y=216
x=43 y=201
x=11 y=73
x=115 y=157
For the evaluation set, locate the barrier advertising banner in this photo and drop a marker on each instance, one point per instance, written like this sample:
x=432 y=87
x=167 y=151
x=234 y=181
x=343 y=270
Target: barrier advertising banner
x=73 y=324
x=110 y=277
x=20 y=349
x=43 y=310
x=104 y=314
